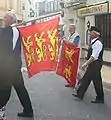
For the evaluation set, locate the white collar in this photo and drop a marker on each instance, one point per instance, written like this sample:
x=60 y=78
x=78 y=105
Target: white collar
x=94 y=39
x=72 y=33
x=13 y=25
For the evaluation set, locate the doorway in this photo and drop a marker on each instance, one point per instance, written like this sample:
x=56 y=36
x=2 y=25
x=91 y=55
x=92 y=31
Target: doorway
x=103 y=22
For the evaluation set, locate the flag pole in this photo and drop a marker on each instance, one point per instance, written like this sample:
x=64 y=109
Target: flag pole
x=41 y=17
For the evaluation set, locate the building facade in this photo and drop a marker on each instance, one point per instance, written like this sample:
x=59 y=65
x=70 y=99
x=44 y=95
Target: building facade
x=46 y=10
x=6 y=5
x=28 y=8
x=85 y=13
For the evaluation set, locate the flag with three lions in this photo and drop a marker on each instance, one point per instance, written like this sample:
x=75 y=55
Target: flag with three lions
x=40 y=45
x=68 y=64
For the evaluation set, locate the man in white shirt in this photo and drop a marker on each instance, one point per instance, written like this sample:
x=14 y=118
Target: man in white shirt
x=74 y=38
x=94 y=65
x=17 y=78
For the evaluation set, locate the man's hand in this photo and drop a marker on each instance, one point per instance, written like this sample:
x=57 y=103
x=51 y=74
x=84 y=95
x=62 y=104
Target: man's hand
x=88 y=62
x=70 y=43
x=84 y=66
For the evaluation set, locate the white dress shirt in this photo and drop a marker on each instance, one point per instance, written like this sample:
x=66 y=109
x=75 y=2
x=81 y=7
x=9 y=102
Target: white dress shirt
x=15 y=35
x=96 y=48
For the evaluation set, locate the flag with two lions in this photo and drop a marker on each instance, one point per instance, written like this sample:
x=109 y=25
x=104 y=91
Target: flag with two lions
x=41 y=49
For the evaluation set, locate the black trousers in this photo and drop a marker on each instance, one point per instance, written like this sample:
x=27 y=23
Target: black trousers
x=18 y=84
x=5 y=85
x=4 y=96
x=93 y=73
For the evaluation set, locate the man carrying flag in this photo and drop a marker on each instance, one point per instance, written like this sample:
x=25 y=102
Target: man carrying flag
x=74 y=38
x=5 y=71
x=13 y=39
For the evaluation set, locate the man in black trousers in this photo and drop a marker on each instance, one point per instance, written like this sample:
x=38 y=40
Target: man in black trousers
x=5 y=70
x=17 y=78
x=94 y=64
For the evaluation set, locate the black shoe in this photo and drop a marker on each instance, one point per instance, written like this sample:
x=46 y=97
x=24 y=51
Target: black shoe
x=23 y=114
x=77 y=96
x=70 y=86
x=97 y=101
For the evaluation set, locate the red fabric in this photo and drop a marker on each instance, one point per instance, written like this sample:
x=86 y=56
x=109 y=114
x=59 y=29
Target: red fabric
x=68 y=65
x=40 y=45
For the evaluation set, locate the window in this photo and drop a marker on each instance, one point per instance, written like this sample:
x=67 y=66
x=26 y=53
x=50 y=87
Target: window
x=32 y=13
x=48 y=7
x=103 y=22
x=23 y=6
x=52 y=6
x=55 y=5
x=29 y=1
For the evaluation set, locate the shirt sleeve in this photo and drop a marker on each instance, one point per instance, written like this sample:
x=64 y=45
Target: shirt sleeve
x=76 y=41
x=15 y=36
x=97 y=47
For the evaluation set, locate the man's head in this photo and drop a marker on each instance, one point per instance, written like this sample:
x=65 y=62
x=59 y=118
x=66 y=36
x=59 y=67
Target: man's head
x=10 y=18
x=72 y=28
x=94 y=32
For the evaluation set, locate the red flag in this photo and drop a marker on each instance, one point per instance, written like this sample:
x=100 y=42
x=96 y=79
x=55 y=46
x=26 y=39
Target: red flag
x=40 y=44
x=68 y=65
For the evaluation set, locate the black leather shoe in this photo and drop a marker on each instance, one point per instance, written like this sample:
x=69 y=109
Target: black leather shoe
x=70 y=86
x=77 y=96
x=23 y=114
x=97 y=101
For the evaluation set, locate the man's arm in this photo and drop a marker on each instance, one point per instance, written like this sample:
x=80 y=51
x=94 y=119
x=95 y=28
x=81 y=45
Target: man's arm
x=76 y=41
x=97 y=47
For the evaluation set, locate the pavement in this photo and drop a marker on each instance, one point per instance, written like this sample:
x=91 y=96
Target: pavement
x=52 y=101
